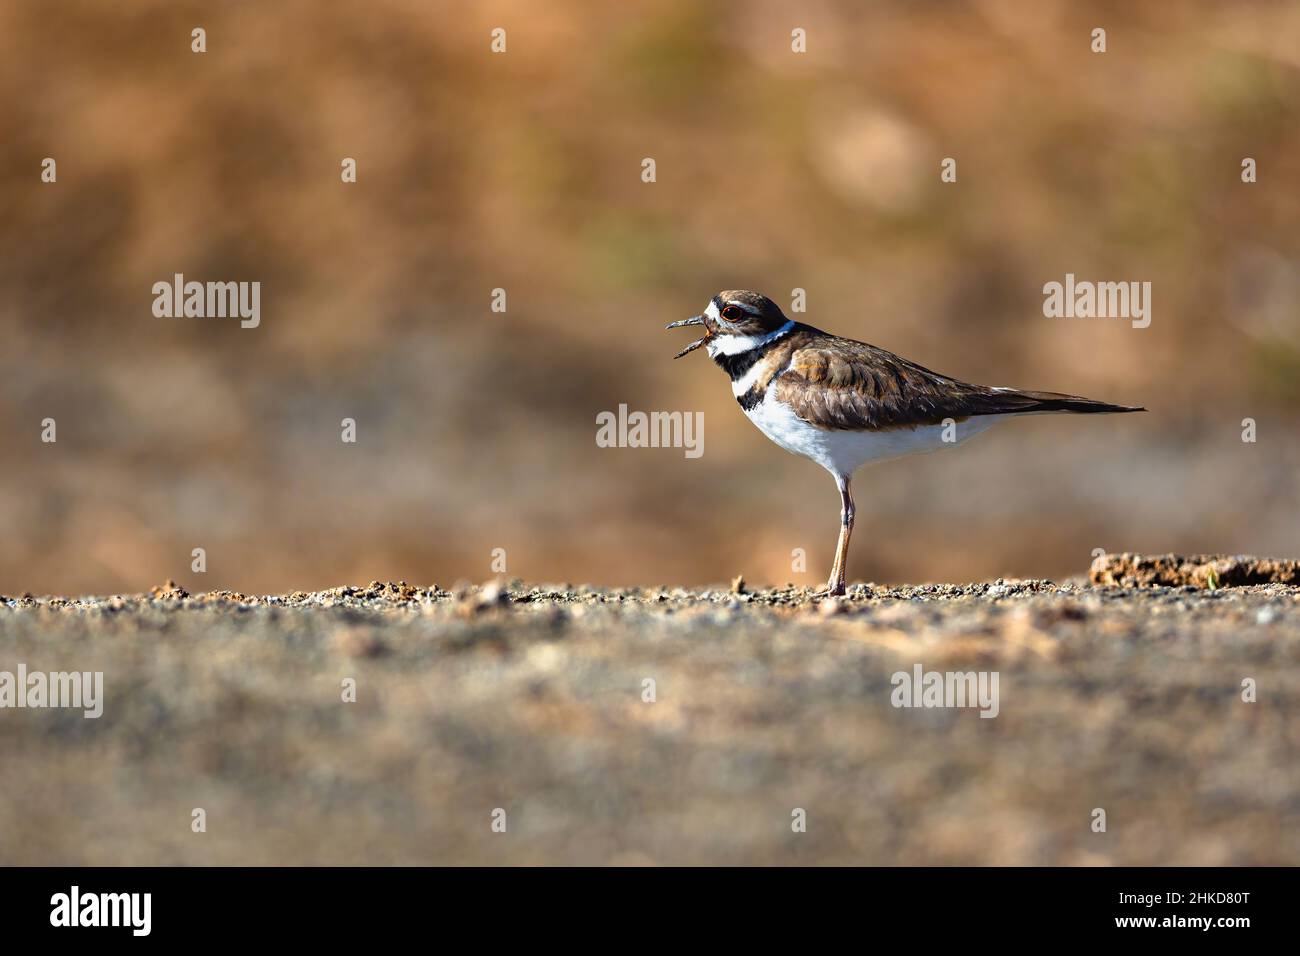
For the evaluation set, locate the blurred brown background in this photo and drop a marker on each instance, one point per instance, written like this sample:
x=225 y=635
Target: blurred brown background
x=522 y=171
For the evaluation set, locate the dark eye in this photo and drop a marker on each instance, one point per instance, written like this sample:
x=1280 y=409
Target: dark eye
x=732 y=314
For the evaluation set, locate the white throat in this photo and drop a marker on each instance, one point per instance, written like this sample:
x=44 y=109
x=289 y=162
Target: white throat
x=735 y=344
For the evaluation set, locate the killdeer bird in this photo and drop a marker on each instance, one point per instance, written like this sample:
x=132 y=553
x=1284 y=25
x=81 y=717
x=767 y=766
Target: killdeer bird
x=844 y=403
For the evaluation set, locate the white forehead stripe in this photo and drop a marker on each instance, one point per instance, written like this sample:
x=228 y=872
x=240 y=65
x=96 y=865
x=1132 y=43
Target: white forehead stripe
x=712 y=308
x=735 y=344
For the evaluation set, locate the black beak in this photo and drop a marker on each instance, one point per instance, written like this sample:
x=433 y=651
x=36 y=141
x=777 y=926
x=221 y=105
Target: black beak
x=693 y=320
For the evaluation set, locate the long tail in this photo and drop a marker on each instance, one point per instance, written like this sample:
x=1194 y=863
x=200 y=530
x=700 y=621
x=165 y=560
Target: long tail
x=1013 y=401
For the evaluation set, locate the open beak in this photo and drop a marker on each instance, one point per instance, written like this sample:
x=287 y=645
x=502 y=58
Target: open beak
x=693 y=320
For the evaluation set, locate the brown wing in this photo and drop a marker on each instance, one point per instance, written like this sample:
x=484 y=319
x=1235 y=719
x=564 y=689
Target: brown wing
x=847 y=385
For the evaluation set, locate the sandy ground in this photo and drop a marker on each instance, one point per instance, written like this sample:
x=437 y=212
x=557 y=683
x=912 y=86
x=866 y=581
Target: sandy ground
x=533 y=700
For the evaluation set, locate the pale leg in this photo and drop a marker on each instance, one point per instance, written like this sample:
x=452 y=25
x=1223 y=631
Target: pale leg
x=835 y=586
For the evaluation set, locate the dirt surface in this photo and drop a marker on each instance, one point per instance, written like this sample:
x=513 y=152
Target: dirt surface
x=533 y=700
x=1200 y=570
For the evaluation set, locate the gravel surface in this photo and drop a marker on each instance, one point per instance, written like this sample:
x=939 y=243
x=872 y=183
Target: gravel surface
x=532 y=699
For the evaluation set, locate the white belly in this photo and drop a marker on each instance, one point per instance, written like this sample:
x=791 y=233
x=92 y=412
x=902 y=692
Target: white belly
x=844 y=452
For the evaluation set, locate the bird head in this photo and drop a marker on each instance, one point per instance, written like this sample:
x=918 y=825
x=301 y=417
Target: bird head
x=734 y=315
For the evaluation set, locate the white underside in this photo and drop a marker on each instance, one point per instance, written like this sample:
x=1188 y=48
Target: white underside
x=844 y=452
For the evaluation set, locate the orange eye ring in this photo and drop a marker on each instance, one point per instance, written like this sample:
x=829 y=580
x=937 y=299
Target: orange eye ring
x=732 y=314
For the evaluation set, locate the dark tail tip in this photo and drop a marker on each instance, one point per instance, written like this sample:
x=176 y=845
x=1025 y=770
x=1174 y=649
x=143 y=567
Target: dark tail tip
x=1086 y=406
x=1023 y=401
